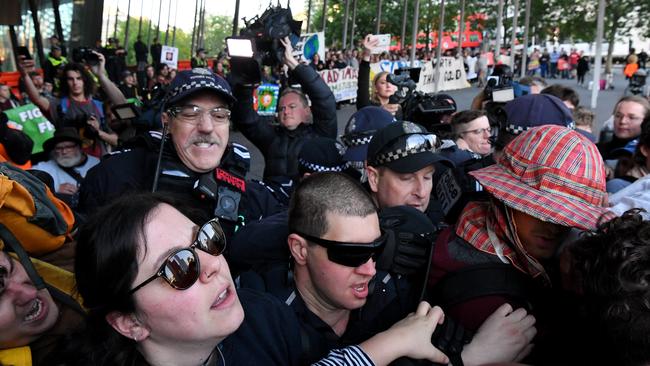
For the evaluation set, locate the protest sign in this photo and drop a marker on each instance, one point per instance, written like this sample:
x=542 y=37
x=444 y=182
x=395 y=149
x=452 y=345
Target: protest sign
x=265 y=99
x=452 y=74
x=30 y=120
x=383 y=43
x=342 y=82
x=169 y=56
x=308 y=45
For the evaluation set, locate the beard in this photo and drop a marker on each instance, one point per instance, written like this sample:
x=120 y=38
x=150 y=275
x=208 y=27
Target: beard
x=69 y=161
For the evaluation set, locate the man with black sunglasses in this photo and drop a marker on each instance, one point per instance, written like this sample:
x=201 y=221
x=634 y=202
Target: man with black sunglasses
x=197 y=162
x=334 y=288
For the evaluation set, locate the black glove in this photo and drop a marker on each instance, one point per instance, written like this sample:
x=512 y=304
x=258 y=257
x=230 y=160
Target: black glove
x=410 y=237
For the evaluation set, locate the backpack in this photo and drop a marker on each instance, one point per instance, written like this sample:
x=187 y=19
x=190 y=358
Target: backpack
x=40 y=222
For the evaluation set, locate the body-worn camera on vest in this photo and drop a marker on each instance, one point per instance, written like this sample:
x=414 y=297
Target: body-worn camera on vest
x=225 y=189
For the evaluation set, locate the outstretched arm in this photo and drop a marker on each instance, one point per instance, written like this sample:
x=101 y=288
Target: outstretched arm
x=25 y=67
x=112 y=91
x=323 y=104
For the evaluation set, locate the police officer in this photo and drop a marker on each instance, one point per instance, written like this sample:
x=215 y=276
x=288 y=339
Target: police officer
x=197 y=161
x=334 y=287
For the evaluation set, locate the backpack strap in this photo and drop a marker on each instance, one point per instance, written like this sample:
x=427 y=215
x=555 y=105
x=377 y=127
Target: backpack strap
x=482 y=280
x=10 y=240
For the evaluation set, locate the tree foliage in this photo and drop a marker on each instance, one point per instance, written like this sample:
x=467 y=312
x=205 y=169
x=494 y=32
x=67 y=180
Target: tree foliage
x=217 y=28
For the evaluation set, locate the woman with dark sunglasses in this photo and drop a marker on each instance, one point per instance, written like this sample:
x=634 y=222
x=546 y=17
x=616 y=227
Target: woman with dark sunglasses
x=159 y=292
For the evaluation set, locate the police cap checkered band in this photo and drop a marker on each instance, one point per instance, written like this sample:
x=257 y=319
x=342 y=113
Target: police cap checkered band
x=320 y=168
x=517 y=129
x=357 y=139
x=404 y=146
x=188 y=82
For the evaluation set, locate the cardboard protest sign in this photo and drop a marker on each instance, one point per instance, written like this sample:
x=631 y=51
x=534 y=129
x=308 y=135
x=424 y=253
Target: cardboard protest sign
x=30 y=120
x=169 y=56
x=342 y=82
x=308 y=45
x=265 y=99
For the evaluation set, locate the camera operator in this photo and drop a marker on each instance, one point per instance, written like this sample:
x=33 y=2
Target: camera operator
x=299 y=122
x=197 y=162
x=381 y=88
x=76 y=106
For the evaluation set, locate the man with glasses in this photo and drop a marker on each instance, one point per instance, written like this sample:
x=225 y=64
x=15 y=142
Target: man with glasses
x=472 y=132
x=196 y=161
x=68 y=164
x=336 y=291
x=298 y=121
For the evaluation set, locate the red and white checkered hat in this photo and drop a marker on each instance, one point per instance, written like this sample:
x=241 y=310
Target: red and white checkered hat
x=551 y=173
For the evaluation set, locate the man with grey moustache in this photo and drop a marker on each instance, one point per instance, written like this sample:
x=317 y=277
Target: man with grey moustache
x=196 y=162
x=68 y=163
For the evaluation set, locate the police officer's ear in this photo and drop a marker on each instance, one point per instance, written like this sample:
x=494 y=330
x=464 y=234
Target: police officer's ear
x=298 y=248
x=373 y=178
x=165 y=119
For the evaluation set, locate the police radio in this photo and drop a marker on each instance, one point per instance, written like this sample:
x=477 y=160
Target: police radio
x=225 y=189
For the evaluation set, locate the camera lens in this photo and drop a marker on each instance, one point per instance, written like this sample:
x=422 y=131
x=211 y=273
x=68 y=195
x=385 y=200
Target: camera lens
x=227 y=204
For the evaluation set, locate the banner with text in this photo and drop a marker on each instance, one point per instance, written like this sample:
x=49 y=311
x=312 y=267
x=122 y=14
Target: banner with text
x=452 y=73
x=308 y=45
x=342 y=82
x=30 y=120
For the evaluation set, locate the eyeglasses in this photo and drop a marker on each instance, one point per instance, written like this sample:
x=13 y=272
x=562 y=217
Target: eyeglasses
x=182 y=268
x=349 y=254
x=479 y=131
x=193 y=114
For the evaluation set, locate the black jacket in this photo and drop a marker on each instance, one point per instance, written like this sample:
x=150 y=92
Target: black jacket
x=280 y=146
x=140 y=51
x=133 y=171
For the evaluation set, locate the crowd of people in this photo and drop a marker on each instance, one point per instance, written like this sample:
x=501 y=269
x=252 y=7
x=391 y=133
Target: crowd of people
x=483 y=237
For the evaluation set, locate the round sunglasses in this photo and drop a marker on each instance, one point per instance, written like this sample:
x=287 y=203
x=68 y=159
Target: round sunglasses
x=182 y=267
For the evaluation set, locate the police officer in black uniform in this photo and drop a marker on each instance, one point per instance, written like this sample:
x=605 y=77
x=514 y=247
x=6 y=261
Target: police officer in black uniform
x=196 y=161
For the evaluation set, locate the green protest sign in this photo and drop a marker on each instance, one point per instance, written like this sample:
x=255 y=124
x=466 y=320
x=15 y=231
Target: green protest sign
x=30 y=120
x=265 y=99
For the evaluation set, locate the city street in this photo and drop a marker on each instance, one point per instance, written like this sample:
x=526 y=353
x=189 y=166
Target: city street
x=606 y=101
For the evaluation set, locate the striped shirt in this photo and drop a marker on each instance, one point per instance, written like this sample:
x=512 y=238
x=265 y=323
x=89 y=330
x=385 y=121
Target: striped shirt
x=348 y=356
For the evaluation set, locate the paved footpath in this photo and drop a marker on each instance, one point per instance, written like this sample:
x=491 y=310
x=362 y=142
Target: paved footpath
x=606 y=101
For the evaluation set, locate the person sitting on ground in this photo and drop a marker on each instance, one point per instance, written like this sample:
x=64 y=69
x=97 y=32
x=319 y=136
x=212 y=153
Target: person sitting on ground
x=299 y=122
x=128 y=85
x=68 y=164
x=381 y=88
x=547 y=180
